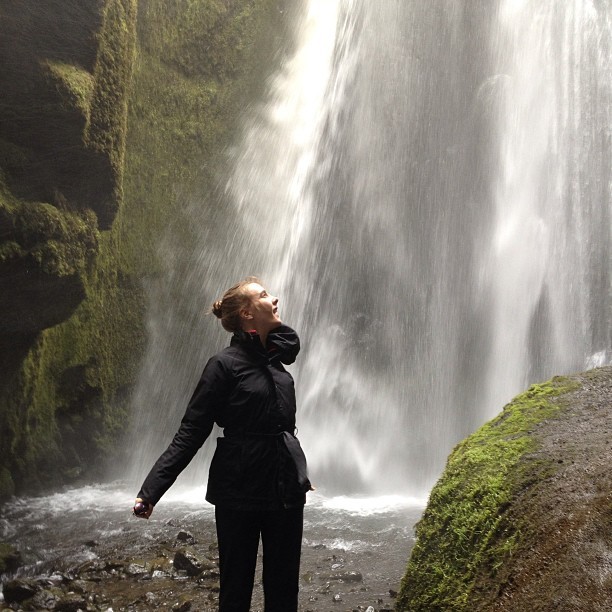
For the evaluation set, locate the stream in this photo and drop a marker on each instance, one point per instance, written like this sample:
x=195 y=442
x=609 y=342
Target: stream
x=354 y=549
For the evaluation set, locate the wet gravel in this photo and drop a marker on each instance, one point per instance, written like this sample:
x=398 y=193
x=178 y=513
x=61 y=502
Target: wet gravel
x=82 y=550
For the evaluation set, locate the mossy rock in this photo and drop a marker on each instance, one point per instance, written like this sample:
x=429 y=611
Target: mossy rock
x=67 y=376
x=498 y=514
x=74 y=84
x=10 y=558
x=7 y=486
x=43 y=257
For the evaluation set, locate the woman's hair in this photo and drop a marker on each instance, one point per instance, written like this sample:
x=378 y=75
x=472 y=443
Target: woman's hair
x=233 y=301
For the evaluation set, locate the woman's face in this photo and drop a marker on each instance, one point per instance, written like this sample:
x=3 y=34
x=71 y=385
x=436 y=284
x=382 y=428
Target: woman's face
x=263 y=309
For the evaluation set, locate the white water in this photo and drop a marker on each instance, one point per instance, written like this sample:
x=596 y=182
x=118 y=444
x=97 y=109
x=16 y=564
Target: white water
x=427 y=188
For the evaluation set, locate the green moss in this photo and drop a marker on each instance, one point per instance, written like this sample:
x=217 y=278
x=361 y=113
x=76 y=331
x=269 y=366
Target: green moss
x=11 y=251
x=50 y=425
x=60 y=242
x=64 y=409
x=7 y=486
x=199 y=65
x=466 y=530
x=106 y=128
x=10 y=558
x=75 y=84
x=68 y=403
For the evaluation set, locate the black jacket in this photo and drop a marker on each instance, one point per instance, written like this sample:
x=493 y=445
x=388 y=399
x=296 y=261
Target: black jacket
x=245 y=389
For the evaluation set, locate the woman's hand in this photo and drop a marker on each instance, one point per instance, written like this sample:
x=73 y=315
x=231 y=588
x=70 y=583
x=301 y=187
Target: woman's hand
x=142 y=508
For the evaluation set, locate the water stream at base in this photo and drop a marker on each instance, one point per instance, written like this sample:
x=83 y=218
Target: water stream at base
x=59 y=533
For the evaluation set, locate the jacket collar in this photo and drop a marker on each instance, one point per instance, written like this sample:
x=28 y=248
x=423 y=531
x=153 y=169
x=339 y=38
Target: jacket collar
x=282 y=344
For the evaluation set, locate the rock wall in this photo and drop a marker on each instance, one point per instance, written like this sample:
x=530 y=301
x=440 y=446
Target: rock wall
x=521 y=518
x=109 y=109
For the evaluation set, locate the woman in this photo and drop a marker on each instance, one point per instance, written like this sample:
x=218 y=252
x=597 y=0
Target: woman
x=257 y=479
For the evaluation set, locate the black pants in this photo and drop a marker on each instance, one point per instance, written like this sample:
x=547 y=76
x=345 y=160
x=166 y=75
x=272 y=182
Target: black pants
x=238 y=533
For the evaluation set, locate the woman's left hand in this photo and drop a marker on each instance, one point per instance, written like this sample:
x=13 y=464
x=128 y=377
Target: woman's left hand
x=142 y=508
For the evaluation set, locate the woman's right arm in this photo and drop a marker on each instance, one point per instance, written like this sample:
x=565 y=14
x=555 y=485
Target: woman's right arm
x=211 y=393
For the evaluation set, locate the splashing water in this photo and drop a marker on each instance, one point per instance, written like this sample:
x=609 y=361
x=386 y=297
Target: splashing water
x=427 y=188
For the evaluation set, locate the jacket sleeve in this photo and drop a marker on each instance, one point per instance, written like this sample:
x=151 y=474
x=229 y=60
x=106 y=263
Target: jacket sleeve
x=283 y=343
x=210 y=394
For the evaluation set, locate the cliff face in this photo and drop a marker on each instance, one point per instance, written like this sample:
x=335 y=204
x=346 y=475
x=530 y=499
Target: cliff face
x=65 y=69
x=521 y=519
x=64 y=72
x=84 y=200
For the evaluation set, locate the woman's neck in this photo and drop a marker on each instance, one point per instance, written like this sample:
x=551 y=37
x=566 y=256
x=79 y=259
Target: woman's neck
x=263 y=335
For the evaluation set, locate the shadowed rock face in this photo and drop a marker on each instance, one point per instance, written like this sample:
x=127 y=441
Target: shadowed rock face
x=72 y=255
x=59 y=150
x=65 y=72
x=50 y=60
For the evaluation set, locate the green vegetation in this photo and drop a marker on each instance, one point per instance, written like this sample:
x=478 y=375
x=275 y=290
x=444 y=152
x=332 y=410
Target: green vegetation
x=106 y=128
x=82 y=215
x=59 y=243
x=69 y=314
x=199 y=64
x=467 y=530
x=9 y=558
x=74 y=83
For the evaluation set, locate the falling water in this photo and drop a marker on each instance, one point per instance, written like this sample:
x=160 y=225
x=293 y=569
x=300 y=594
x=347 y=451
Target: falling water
x=427 y=188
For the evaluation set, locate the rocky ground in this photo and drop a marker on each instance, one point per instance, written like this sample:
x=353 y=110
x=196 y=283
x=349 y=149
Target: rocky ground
x=183 y=576
x=105 y=559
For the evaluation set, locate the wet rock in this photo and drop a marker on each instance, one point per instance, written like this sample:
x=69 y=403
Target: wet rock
x=113 y=565
x=16 y=591
x=189 y=562
x=54 y=580
x=208 y=575
x=162 y=564
x=89 y=566
x=46 y=599
x=186 y=537
x=308 y=577
x=183 y=604
x=135 y=569
x=159 y=574
x=343 y=577
x=79 y=586
x=71 y=602
x=10 y=558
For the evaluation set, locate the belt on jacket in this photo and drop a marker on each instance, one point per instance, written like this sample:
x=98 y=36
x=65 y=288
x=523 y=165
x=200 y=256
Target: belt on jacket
x=251 y=434
x=292 y=444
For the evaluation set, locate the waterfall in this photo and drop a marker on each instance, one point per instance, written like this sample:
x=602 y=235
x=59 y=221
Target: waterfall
x=427 y=188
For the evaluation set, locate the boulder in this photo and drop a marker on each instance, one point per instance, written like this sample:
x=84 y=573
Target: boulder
x=521 y=518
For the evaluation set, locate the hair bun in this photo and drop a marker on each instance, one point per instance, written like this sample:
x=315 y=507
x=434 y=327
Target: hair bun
x=216 y=308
